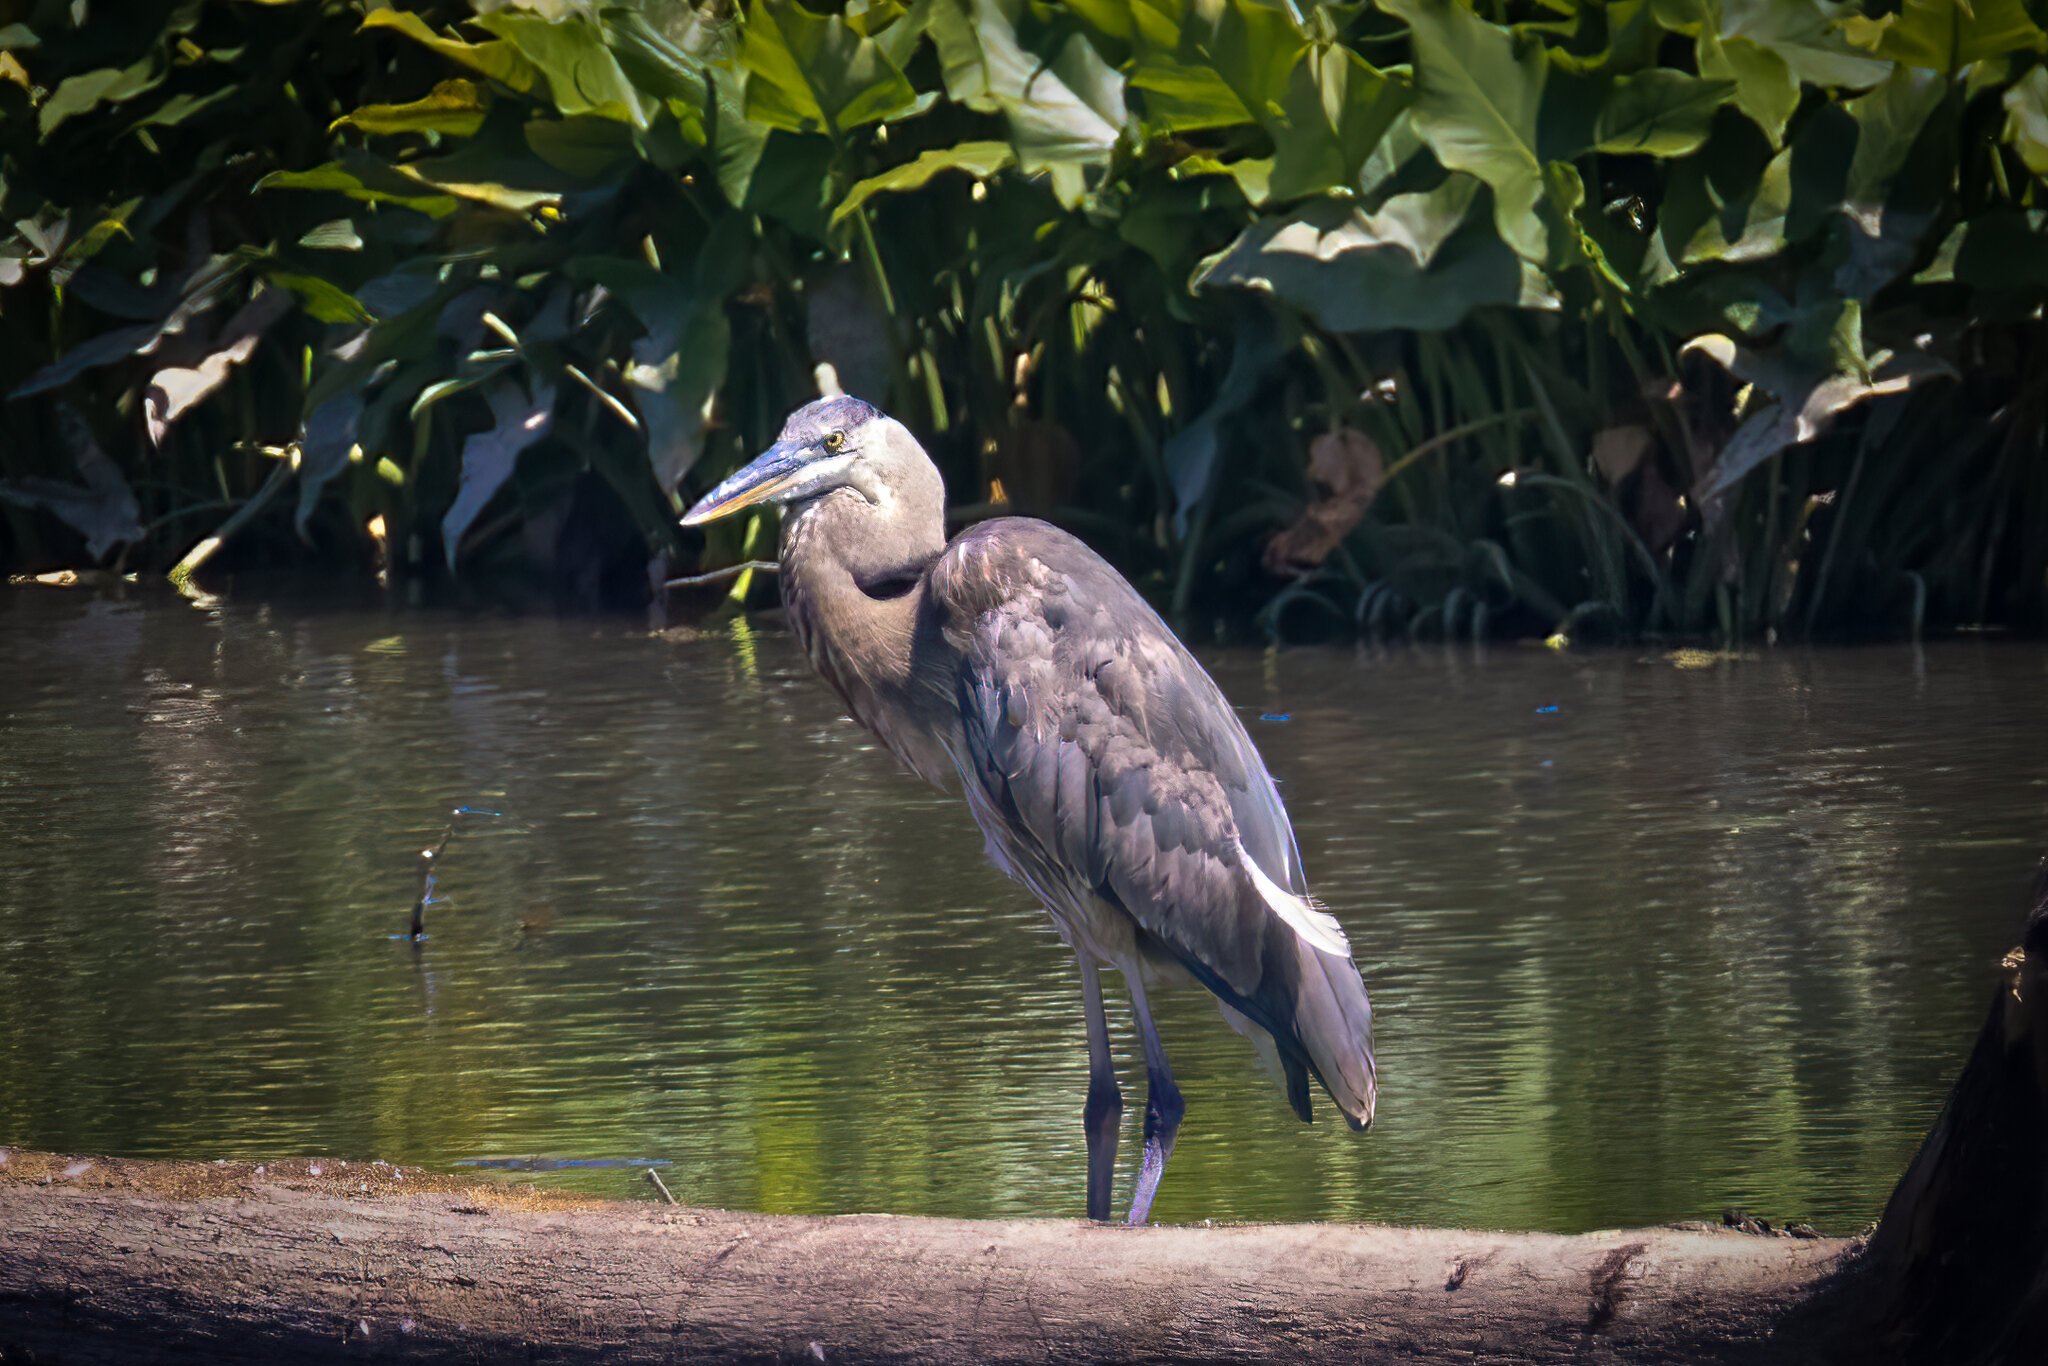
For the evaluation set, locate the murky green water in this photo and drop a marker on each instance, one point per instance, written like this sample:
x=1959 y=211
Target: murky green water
x=1699 y=937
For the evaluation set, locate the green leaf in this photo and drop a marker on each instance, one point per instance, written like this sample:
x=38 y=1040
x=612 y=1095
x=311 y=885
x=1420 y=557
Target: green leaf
x=1476 y=103
x=1064 y=114
x=324 y=448
x=1417 y=263
x=1336 y=110
x=88 y=90
x=809 y=73
x=662 y=69
x=365 y=179
x=499 y=61
x=583 y=77
x=588 y=147
x=1230 y=65
x=1804 y=34
x=1765 y=87
x=652 y=62
x=322 y=299
x=2005 y=250
x=178 y=108
x=2026 y=120
x=453 y=107
x=768 y=171
x=1659 y=113
x=977 y=159
x=484 y=175
x=102 y=508
x=1888 y=121
x=490 y=456
x=1747 y=227
x=1946 y=35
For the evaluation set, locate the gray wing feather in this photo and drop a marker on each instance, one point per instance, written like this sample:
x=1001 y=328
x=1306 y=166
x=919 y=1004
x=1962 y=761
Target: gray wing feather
x=1089 y=727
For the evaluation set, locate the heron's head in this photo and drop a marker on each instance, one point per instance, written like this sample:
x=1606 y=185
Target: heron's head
x=828 y=444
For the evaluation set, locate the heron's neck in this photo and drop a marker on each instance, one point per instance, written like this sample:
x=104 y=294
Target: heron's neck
x=853 y=583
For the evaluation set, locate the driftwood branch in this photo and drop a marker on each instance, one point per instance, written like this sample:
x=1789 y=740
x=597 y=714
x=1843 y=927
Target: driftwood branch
x=115 y=1262
x=107 y=1261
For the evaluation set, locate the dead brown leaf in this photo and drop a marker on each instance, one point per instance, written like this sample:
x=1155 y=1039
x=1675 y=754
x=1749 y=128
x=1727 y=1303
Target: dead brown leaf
x=1345 y=470
x=1618 y=450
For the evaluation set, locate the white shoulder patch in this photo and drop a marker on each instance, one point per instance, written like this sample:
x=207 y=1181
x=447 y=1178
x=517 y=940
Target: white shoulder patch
x=1316 y=926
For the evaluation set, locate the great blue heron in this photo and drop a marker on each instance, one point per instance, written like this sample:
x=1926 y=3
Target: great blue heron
x=1103 y=765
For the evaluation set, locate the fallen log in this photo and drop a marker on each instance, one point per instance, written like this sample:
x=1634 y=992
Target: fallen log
x=110 y=1261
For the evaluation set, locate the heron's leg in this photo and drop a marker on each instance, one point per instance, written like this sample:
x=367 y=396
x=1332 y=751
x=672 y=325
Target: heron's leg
x=1163 y=1105
x=1105 y=1110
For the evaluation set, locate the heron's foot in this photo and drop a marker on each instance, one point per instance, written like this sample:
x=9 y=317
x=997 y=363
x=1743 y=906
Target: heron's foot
x=1149 y=1171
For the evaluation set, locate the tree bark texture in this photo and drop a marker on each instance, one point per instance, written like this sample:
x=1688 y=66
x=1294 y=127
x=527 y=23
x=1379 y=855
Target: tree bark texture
x=110 y=1261
x=123 y=1261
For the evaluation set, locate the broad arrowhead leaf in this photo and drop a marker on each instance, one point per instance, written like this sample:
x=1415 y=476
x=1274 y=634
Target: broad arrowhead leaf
x=2004 y=251
x=654 y=64
x=324 y=449
x=583 y=77
x=323 y=300
x=452 y=107
x=1946 y=35
x=175 y=389
x=490 y=456
x=768 y=171
x=2026 y=120
x=364 y=178
x=499 y=60
x=680 y=361
x=1803 y=402
x=89 y=89
x=1417 y=263
x=1230 y=65
x=1748 y=226
x=977 y=159
x=809 y=73
x=589 y=147
x=1765 y=87
x=1804 y=34
x=486 y=176
x=103 y=349
x=1336 y=109
x=1659 y=113
x=1476 y=105
x=1888 y=121
x=102 y=508
x=1064 y=114
x=1193 y=454
x=1900 y=180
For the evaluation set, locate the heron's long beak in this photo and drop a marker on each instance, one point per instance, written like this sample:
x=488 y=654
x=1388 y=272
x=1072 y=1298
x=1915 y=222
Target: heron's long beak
x=769 y=473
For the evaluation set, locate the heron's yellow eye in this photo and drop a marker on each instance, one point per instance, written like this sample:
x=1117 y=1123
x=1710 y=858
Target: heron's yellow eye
x=834 y=440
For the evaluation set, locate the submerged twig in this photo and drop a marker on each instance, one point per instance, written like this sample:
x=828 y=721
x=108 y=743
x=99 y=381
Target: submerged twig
x=429 y=858
x=730 y=571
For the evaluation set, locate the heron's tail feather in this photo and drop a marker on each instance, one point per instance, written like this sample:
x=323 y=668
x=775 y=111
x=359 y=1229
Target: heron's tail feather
x=1330 y=1033
x=1333 y=1020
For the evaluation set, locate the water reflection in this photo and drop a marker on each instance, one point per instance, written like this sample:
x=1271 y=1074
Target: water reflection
x=1710 y=932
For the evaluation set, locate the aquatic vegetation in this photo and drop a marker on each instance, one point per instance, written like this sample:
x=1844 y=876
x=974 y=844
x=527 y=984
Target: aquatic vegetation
x=1653 y=317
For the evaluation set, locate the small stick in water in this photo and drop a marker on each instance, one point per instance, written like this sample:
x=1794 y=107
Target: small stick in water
x=655 y=1177
x=429 y=858
x=729 y=572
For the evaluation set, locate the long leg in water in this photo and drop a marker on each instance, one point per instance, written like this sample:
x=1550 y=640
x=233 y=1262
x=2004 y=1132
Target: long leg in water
x=1105 y=1109
x=1163 y=1106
